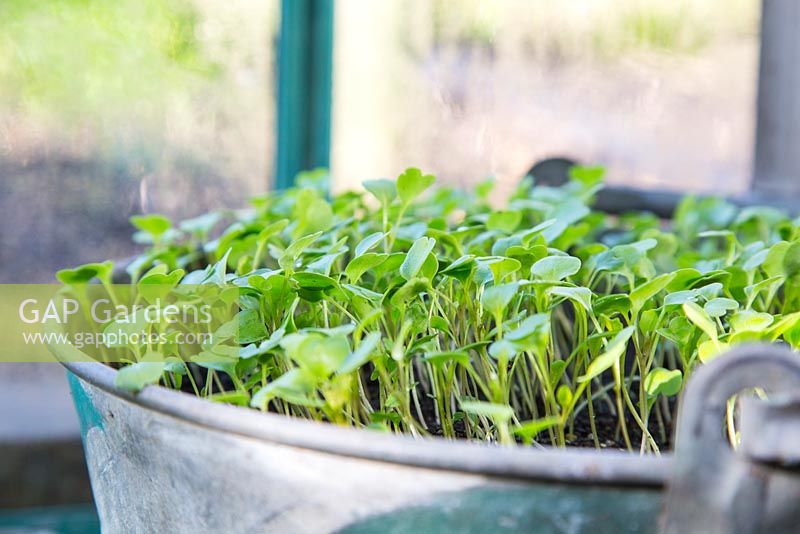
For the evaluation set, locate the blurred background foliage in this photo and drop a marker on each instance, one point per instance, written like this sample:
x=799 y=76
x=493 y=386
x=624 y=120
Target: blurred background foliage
x=92 y=60
x=110 y=108
x=660 y=91
x=598 y=28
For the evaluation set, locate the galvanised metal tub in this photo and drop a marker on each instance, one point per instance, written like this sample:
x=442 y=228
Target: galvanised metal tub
x=165 y=461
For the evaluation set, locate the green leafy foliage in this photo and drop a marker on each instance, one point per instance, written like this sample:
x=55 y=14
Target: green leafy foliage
x=555 y=268
x=416 y=256
x=411 y=184
x=508 y=324
x=661 y=381
x=140 y=374
x=609 y=358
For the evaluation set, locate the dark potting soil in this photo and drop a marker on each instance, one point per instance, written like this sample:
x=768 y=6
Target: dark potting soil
x=579 y=434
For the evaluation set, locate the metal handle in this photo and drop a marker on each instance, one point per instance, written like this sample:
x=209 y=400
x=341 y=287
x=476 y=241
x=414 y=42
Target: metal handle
x=714 y=489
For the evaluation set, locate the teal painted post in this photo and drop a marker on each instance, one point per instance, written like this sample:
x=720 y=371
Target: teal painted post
x=305 y=57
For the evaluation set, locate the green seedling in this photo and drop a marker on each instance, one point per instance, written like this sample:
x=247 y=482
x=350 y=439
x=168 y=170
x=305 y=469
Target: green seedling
x=425 y=311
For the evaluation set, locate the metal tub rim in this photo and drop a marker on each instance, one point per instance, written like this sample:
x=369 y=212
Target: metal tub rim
x=607 y=468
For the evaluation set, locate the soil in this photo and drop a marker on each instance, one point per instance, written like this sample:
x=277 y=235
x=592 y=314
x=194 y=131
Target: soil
x=579 y=435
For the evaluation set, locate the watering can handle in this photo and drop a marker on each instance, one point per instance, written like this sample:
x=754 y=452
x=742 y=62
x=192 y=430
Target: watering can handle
x=712 y=488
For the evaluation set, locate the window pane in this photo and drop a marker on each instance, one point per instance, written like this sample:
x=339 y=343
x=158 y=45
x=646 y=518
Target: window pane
x=662 y=92
x=109 y=109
